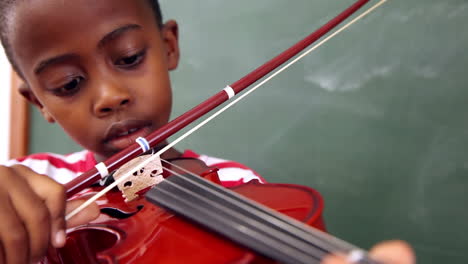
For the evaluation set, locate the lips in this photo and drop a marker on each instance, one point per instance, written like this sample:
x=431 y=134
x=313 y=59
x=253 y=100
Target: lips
x=122 y=134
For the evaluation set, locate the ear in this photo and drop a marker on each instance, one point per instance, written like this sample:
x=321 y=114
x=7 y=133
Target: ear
x=27 y=93
x=170 y=35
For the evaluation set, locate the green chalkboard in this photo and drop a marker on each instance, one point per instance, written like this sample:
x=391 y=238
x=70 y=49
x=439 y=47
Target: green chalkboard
x=376 y=120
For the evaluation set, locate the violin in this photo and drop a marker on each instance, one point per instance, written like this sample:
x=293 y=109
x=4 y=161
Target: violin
x=188 y=217
x=140 y=232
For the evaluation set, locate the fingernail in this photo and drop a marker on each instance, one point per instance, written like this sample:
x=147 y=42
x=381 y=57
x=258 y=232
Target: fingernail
x=60 y=238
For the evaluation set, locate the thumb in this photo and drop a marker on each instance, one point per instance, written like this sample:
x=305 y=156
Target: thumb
x=85 y=216
x=394 y=251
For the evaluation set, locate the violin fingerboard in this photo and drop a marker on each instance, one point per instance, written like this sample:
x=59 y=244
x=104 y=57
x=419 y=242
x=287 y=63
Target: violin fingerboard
x=191 y=201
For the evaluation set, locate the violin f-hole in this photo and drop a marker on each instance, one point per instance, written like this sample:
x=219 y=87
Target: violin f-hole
x=118 y=213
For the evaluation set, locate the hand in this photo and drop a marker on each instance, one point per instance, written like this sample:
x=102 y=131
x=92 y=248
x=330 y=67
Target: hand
x=388 y=252
x=33 y=214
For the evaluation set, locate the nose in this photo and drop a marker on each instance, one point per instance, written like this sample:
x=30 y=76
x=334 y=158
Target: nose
x=111 y=98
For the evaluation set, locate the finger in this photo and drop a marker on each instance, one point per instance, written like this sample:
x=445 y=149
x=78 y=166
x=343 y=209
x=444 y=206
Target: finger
x=334 y=259
x=87 y=215
x=53 y=196
x=15 y=246
x=2 y=254
x=30 y=210
x=394 y=252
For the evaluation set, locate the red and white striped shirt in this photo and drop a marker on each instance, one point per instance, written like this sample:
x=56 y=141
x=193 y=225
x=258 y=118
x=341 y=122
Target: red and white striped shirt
x=64 y=168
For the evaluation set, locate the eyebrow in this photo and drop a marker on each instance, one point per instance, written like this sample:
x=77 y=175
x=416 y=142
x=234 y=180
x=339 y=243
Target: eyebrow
x=54 y=60
x=116 y=33
x=106 y=39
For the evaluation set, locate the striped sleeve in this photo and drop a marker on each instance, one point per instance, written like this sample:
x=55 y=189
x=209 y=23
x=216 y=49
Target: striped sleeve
x=231 y=173
x=61 y=168
x=64 y=168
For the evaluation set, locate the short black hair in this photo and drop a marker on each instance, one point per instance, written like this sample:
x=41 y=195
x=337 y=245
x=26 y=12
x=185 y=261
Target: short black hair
x=5 y=8
x=156 y=11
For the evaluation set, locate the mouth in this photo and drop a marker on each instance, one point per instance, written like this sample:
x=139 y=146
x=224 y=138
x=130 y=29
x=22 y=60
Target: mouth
x=123 y=134
x=126 y=133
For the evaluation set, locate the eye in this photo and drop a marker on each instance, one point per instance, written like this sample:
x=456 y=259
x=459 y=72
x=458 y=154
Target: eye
x=70 y=88
x=132 y=60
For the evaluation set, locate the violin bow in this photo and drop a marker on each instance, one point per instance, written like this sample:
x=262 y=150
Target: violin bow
x=86 y=179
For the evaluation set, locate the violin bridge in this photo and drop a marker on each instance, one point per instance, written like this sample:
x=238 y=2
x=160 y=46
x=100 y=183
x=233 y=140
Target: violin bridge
x=140 y=180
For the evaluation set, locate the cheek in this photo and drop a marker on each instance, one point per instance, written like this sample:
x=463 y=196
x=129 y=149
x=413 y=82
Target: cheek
x=155 y=94
x=77 y=125
x=158 y=102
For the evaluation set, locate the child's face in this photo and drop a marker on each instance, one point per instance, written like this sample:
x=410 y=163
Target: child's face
x=98 y=68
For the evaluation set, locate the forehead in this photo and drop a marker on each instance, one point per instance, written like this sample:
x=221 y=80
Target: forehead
x=42 y=28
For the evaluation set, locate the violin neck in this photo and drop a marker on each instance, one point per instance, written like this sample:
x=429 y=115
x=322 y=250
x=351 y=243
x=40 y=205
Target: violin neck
x=246 y=222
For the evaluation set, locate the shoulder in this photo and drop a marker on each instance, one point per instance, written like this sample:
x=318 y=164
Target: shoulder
x=231 y=173
x=61 y=168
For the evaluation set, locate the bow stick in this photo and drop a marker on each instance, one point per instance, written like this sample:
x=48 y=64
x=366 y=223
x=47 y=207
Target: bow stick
x=161 y=134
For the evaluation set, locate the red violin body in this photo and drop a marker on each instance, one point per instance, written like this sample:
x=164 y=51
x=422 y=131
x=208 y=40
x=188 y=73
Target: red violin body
x=141 y=232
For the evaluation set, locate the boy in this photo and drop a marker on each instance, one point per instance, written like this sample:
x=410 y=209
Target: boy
x=100 y=69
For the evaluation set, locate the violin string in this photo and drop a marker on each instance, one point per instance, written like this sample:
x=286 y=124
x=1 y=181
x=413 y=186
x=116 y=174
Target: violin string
x=220 y=111
x=188 y=201
x=198 y=204
x=240 y=202
x=266 y=218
